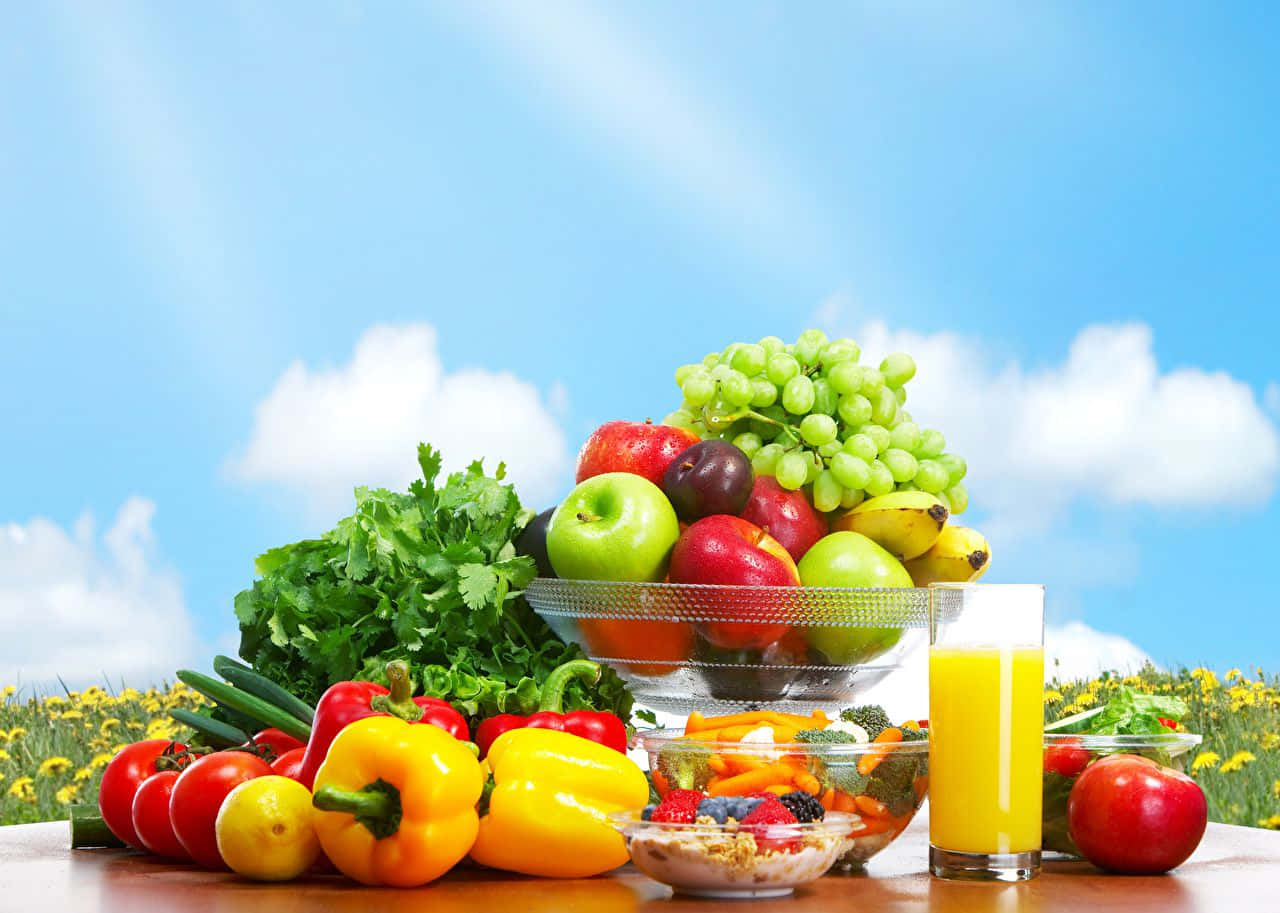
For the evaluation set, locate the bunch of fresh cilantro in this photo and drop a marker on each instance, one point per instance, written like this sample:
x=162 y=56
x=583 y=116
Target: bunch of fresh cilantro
x=431 y=576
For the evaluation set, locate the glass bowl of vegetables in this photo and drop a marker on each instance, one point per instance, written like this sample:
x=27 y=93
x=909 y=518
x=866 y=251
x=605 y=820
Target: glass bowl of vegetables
x=682 y=647
x=857 y=764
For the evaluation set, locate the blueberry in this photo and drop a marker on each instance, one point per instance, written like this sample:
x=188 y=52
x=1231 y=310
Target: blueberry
x=648 y=812
x=715 y=807
x=738 y=807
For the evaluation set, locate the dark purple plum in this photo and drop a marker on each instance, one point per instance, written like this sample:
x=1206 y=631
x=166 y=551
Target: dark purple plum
x=711 y=477
x=533 y=542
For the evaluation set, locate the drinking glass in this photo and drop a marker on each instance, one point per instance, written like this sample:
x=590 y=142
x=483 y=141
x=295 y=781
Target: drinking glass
x=986 y=723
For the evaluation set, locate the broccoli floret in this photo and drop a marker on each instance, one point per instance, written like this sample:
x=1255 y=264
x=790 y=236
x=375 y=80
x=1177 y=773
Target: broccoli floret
x=685 y=766
x=825 y=737
x=893 y=783
x=870 y=717
x=899 y=801
x=910 y=734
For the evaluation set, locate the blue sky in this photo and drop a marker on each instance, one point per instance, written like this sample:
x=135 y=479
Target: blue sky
x=1074 y=210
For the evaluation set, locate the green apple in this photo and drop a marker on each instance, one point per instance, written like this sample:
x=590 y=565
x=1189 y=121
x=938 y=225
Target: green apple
x=615 y=526
x=851 y=559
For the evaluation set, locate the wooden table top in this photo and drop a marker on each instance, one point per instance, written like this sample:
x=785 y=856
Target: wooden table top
x=1235 y=868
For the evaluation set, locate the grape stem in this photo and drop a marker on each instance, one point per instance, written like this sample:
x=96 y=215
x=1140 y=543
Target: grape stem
x=749 y=413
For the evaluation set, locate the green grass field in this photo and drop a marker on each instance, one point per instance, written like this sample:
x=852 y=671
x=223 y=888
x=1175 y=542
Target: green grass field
x=53 y=748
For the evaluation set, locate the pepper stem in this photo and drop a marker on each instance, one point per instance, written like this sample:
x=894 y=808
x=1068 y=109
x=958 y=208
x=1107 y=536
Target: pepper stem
x=552 y=695
x=377 y=806
x=400 y=701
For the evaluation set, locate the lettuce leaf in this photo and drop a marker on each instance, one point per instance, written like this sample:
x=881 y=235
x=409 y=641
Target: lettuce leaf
x=1132 y=712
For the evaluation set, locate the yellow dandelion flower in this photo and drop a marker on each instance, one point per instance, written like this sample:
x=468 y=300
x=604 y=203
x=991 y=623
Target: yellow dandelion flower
x=1273 y=822
x=1052 y=696
x=4 y=755
x=97 y=743
x=1232 y=675
x=84 y=773
x=55 y=700
x=1088 y=699
x=54 y=765
x=101 y=759
x=1237 y=762
x=15 y=733
x=116 y=749
x=161 y=728
x=1 y=778
x=151 y=705
x=1275 y=789
x=73 y=715
x=109 y=724
x=135 y=724
x=130 y=694
x=23 y=789
x=8 y=690
x=1205 y=759
x=67 y=794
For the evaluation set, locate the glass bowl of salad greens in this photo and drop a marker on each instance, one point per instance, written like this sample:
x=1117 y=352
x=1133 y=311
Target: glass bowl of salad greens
x=857 y=763
x=1131 y=722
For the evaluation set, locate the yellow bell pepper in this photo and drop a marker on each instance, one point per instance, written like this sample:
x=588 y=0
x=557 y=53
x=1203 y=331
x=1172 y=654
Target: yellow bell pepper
x=547 y=813
x=397 y=801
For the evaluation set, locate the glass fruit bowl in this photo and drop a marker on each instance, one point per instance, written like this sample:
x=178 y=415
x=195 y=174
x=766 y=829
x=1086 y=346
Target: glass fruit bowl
x=1066 y=755
x=684 y=646
x=878 y=786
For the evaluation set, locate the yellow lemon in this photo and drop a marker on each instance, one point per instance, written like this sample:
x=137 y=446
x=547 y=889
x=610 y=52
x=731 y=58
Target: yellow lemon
x=265 y=831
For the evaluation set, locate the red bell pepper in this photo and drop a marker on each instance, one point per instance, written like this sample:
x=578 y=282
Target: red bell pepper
x=346 y=702
x=605 y=728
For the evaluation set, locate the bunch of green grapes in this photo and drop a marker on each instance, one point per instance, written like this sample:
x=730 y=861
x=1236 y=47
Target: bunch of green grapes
x=811 y=416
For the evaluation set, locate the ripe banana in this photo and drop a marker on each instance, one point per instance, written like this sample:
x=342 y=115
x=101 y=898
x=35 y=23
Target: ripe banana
x=961 y=555
x=904 y=523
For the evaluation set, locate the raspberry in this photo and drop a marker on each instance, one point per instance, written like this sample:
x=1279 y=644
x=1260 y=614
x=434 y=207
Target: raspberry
x=804 y=806
x=763 y=824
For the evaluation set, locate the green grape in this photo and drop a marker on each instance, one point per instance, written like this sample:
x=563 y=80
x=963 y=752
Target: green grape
x=872 y=383
x=809 y=346
x=726 y=357
x=861 y=446
x=838 y=351
x=749 y=359
x=851 y=498
x=818 y=429
x=901 y=464
x=735 y=388
x=932 y=476
x=955 y=465
x=698 y=389
x=763 y=393
x=908 y=486
x=791 y=470
x=932 y=443
x=884 y=407
x=824 y=398
x=898 y=369
x=781 y=367
x=772 y=344
x=850 y=471
x=854 y=410
x=881 y=481
x=877 y=433
x=829 y=449
x=711 y=359
x=683 y=372
x=900 y=394
x=797 y=395
x=958 y=498
x=826 y=491
x=904 y=416
x=765 y=460
x=905 y=436
x=845 y=377
x=700 y=429
x=813 y=466
x=718 y=412
x=748 y=442
x=721 y=371
x=681 y=418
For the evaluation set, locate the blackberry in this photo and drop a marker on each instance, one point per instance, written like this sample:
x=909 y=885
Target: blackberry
x=804 y=806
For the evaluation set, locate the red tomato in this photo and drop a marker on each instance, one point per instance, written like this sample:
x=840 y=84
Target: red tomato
x=198 y=794
x=151 y=816
x=1128 y=814
x=121 y=779
x=280 y=742
x=289 y=764
x=1066 y=757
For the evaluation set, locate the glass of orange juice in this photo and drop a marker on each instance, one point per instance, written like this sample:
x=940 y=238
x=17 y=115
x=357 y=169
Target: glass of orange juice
x=986 y=723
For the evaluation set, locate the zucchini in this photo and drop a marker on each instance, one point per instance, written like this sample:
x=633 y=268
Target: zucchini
x=246 y=679
x=215 y=732
x=88 y=829
x=254 y=707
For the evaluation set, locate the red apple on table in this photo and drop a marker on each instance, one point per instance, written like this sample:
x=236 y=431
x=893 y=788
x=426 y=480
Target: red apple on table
x=726 y=550
x=1128 y=814
x=786 y=515
x=642 y=448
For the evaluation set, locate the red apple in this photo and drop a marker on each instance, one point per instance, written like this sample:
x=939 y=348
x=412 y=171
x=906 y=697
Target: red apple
x=1128 y=814
x=786 y=515
x=642 y=448
x=726 y=550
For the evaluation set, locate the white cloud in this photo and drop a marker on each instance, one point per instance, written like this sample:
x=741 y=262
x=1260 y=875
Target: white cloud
x=79 y=608
x=321 y=432
x=1072 y=651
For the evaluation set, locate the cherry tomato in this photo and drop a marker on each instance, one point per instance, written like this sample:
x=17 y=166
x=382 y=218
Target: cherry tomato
x=289 y=764
x=198 y=794
x=151 y=816
x=280 y=742
x=1066 y=757
x=120 y=782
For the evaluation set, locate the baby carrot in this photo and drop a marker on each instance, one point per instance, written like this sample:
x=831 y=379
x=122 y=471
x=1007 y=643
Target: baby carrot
x=695 y=722
x=717 y=764
x=753 y=781
x=807 y=782
x=843 y=802
x=737 y=762
x=871 y=760
x=872 y=807
x=871 y=826
x=778 y=789
x=828 y=800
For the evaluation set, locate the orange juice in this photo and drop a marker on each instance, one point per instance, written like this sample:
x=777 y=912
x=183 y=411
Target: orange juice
x=986 y=719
